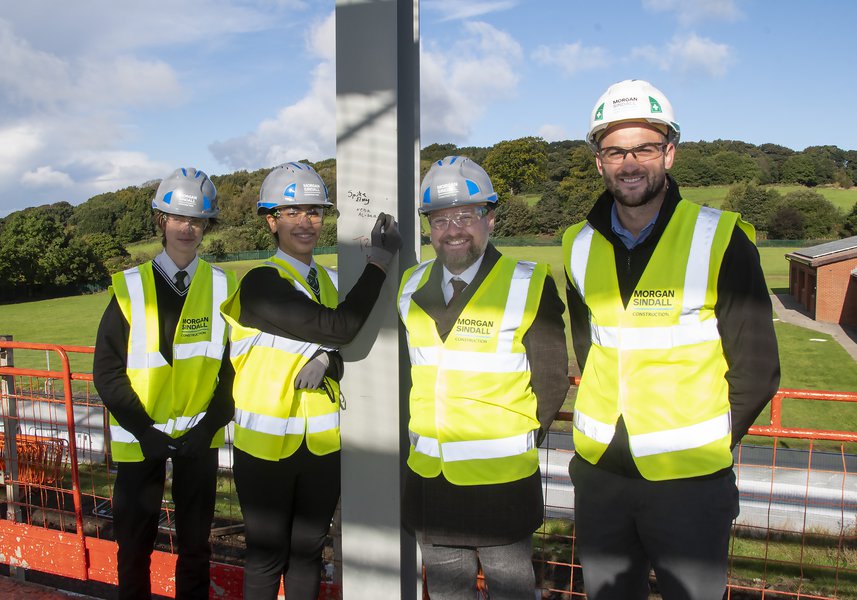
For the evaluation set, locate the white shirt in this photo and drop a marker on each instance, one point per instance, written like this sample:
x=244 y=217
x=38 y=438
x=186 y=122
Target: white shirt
x=467 y=276
x=166 y=265
x=301 y=267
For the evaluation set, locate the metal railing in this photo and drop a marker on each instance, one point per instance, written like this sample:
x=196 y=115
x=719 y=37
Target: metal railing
x=796 y=536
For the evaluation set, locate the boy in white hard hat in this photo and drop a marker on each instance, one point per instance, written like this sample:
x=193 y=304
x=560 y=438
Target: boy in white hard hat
x=159 y=370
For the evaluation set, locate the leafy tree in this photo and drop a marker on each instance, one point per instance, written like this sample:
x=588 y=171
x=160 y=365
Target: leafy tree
x=328 y=234
x=39 y=254
x=217 y=248
x=517 y=165
x=786 y=223
x=513 y=219
x=104 y=246
x=849 y=226
x=819 y=217
x=755 y=204
x=551 y=215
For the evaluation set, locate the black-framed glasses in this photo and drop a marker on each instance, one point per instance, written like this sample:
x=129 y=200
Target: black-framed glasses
x=461 y=219
x=614 y=155
x=295 y=214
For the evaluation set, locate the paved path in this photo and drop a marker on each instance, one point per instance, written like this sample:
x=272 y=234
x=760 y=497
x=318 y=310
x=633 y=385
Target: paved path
x=12 y=589
x=789 y=311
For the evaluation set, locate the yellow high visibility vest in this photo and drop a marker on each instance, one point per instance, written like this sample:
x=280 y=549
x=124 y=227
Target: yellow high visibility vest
x=659 y=361
x=472 y=410
x=175 y=396
x=271 y=416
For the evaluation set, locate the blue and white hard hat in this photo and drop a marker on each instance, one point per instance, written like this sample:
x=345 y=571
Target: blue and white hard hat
x=455 y=181
x=291 y=184
x=187 y=192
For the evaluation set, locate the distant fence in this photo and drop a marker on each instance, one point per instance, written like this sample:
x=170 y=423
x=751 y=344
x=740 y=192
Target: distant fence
x=796 y=537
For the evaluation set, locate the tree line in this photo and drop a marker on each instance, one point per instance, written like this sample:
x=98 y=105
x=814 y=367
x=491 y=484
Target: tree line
x=60 y=248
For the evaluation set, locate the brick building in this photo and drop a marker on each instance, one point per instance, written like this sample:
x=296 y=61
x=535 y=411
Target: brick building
x=823 y=279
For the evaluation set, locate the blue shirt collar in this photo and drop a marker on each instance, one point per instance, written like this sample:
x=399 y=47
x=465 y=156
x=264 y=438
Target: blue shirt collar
x=626 y=236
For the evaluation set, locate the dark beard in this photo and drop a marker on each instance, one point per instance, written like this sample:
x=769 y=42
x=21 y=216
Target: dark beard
x=655 y=186
x=459 y=263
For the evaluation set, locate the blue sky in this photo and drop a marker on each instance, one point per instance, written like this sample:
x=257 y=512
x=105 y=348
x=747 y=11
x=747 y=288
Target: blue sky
x=99 y=95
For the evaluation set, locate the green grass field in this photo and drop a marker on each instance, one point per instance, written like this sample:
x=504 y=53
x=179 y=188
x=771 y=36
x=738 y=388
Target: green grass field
x=714 y=195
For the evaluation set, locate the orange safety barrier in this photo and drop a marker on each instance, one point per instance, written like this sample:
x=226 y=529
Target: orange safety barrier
x=796 y=536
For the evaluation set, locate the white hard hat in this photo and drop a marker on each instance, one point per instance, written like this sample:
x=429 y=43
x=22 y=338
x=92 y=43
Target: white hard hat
x=291 y=184
x=632 y=100
x=455 y=181
x=187 y=192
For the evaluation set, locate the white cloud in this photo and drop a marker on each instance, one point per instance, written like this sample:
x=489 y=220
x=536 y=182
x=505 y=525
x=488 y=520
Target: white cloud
x=18 y=143
x=305 y=129
x=689 y=55
x=458 y=82
x=552 y=133
x=572 y=58
x=691 y=12
x=453 y=10
x=46 y=177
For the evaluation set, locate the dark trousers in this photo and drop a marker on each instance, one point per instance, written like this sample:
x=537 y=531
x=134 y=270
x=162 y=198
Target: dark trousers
x=137 y=495
x=625 y=526
x=451 y=571
x=287 y=507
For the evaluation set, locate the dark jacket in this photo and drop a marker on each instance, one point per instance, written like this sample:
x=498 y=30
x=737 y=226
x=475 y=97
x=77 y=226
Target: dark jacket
x=744 y=320
x=489 y=515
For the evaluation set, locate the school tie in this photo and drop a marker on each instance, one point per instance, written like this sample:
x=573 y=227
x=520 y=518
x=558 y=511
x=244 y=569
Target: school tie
x=457 y=286
x=180 y=284
x=312 y=280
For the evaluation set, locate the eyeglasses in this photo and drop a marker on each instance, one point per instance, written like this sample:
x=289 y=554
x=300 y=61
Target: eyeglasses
x=295 y=215
x=462 y=219
x=614 y=155
x=195 y=222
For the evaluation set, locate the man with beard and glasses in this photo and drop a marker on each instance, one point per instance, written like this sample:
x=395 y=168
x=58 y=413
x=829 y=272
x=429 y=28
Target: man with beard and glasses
x=672 y=329
x=489 y=371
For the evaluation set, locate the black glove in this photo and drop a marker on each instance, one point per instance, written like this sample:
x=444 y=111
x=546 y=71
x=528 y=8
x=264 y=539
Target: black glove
x=311 y=374
x=156 y=444
x=386 y=241
x=195 y=442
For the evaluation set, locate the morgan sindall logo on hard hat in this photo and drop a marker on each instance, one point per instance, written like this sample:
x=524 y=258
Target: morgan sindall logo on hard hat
x=599 y=113
x=655 y=105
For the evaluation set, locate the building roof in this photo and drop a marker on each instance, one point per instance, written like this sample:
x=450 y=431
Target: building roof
x=826 y=253
x=848 y=243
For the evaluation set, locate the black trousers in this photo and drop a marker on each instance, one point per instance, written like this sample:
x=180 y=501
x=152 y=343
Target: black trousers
x=137 y=495
x=626 y=526
x=287 y=507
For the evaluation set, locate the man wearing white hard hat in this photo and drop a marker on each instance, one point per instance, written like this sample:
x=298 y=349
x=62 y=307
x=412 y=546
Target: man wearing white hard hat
x=159 y=370
x=489 y=371
x=672 y=329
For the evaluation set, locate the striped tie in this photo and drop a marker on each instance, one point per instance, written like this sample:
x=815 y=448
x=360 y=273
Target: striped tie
x=312 y=280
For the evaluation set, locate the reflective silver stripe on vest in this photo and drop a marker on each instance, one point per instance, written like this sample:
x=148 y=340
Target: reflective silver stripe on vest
x=682 y=438
x=474 y=449
x=696 y=276
x=457 y=360
x=269 y=340
x=690 y=330
x=138 y=357
x=177 y=425
x=652 y=338
x=593 y=428
x=424 y=444
x=279 y=426
x=515 y=304
x=580 y=257
x=410 y=287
